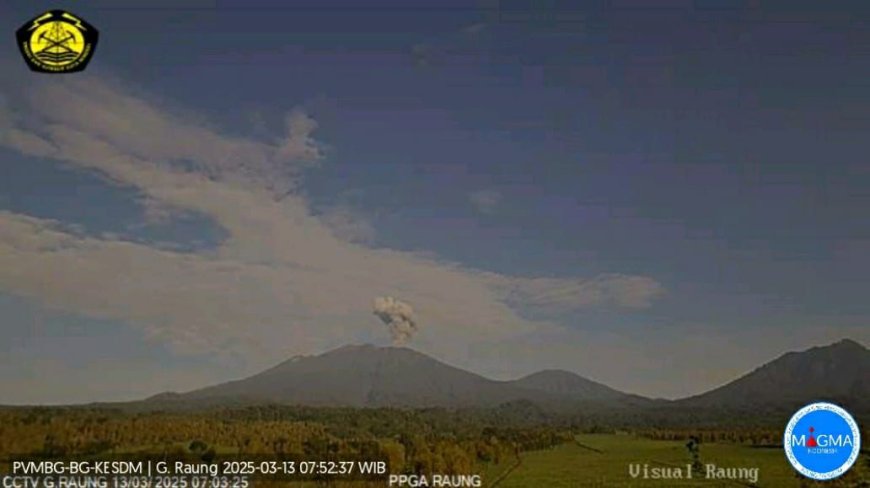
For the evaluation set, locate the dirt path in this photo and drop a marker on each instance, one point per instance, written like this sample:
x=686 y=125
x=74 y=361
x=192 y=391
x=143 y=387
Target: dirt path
x=588 y=448
x=508 y=471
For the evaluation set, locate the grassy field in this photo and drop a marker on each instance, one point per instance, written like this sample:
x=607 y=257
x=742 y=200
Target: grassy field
x=603 y=461
x=409 y=441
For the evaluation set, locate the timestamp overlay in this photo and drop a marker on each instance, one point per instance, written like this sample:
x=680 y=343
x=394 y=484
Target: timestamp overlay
x=174 y=473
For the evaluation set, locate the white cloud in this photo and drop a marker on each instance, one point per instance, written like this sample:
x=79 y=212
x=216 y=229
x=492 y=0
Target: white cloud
x=283 y=282
x=136 y=128
x=560 y=294
x=348 y=224
x=298 y=145
x=485 y=201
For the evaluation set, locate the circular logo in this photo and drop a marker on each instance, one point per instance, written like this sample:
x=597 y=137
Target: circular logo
x=822 y=441
x=57 y=42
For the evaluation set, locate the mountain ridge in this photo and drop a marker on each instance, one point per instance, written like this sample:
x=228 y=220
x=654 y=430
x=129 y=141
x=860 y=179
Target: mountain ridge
x=364 y=375
x=836 y=372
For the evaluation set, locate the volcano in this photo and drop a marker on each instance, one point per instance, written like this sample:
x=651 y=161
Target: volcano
x=370 y=376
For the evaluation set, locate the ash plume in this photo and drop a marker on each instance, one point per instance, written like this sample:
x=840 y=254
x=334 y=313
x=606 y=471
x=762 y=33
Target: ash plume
x=398 y=317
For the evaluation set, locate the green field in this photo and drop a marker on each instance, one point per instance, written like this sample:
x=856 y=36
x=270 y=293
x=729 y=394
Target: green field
x=576 y=465
x=509 y=455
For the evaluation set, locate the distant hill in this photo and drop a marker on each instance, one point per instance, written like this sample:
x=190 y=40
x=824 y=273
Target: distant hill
x=369 y=376
x=565 y=384
x=839 y=372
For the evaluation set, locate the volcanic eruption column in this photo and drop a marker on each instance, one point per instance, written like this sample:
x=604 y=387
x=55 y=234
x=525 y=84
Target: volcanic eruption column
x=399 y=318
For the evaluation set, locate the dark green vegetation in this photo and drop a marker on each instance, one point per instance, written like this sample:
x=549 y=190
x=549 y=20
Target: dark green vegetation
x=410 y=441
x=421 y=416
x=511 y=446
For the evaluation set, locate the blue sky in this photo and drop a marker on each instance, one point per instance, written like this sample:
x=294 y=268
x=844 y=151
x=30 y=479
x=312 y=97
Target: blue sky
x=653 y=180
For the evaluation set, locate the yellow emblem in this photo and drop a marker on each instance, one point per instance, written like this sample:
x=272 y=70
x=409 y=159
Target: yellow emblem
x=57 y=42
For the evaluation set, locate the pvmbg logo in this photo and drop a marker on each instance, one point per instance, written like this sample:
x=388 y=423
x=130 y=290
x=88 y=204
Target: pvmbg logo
x=822 y=441
x=57 y=42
